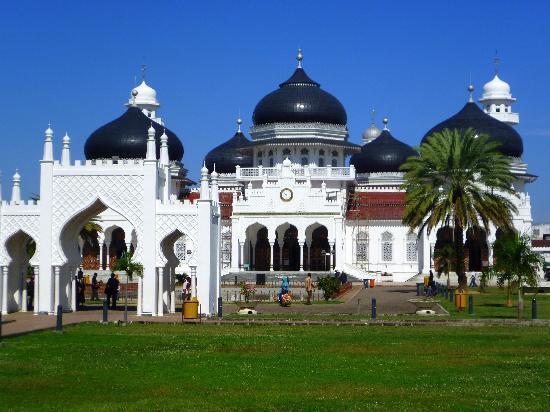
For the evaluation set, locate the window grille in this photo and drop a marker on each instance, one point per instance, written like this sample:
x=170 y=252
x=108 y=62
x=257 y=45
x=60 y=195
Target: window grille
x=387 y=247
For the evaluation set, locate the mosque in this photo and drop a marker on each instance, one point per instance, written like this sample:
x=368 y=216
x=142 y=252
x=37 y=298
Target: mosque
x=297 y=196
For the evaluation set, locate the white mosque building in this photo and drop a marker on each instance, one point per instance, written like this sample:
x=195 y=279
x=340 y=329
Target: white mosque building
x=297 y=197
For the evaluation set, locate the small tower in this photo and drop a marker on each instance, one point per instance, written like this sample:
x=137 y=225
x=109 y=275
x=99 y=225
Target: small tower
x=151 y=153
x=16 y=190
x=66 y=151
x=164 y=158
x=48 y=145
x=497 y=100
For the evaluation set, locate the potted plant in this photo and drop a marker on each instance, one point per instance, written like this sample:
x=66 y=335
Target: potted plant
x=247 y=291
x=130 y=267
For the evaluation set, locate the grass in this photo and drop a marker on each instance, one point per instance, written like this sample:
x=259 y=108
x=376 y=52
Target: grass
x=210 y=367
x=492 y=305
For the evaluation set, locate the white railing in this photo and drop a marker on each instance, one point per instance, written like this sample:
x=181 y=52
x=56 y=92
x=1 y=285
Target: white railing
x=296 y=171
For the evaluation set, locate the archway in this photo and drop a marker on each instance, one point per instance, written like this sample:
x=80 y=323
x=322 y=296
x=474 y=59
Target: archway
x=20 y=247
x=290 y=250
x=476 y=252
x=318 y=258
x=262 y=250
x=444 y=238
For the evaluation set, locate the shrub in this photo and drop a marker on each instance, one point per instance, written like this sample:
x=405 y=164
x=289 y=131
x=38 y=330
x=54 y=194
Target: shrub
x=330 y=286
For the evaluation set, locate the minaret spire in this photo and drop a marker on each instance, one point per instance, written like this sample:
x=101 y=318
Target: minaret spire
x=496 y=62
x=471 y=93
x=143 y=70
x=299 y=57
x=239 y=122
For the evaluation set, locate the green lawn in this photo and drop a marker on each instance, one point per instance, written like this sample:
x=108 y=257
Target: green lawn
x=492 y=304
x=211 y=367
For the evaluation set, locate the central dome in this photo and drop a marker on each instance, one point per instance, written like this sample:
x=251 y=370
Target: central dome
x=126 y=138
x=299 y=100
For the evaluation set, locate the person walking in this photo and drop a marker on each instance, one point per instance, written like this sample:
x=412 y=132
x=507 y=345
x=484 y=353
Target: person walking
x=95 y=287
x=111 y=291
x=30 y=293
x=80 y=288
x=309 y=288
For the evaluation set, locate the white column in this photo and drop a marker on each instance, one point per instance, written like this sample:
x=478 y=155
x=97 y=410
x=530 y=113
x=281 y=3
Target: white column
x=160 y=303
x=331 y=255
x=108 y=260
x=101 y=244
x=73 y=291
x=24 y=294
x=193 y=282
x=234 y=245
x=301 y=256
x=241 y=258
x=271 y=250
x=140 y=294
x=4 y=290
x=426 y=264
x=56 y=291
x=172 y=290
x=36 y=285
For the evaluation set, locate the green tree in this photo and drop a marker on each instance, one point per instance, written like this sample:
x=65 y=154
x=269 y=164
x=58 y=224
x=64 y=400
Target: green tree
x=459 y=179
x=516 y=264
x=445 y=258
x=90 y=228
x=127 y=264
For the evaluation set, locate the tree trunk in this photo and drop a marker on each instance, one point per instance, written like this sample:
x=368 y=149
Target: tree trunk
x=459 y=254
x=448 y=280
x=520 y=301
x=509 y=299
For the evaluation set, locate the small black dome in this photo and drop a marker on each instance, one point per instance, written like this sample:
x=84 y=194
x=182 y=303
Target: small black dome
x=126 y=138
x=299 y=100
x=472 y=116
x=235 y=151
x=383 y=154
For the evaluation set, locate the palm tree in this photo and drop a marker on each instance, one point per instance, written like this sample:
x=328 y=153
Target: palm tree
x=459 y=180
x=87 y=231
x=517 y=264
x=445 y=258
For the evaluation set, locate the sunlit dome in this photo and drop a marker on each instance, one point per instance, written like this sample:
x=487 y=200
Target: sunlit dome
x=145 y=96
x=496 y=89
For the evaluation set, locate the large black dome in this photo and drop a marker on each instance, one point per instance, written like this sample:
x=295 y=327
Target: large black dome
x=235 y=151
x=299 y=100
x=126 y=138
x=472 y=116
x=383 y=154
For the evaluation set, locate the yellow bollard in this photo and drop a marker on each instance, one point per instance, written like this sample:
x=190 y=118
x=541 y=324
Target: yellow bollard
x=460 y=299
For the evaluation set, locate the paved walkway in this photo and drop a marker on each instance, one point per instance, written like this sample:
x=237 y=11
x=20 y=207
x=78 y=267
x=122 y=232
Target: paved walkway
x=390 y=300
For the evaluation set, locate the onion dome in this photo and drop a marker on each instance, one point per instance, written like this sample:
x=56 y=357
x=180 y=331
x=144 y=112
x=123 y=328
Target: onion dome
x=299 y=100
x=496 y=89
x=383 y=154
x=471 y=116
x=126 y=138
x=144 y=96
x=232 y=153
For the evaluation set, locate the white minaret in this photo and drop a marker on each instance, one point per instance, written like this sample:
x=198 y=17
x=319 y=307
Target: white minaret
x=204 y=192
x=497 y=100
x=145 y=97
x=48 y=145
x=151 y=146
x=16 y=190
x=164 y=158
x=214 y=190
x=66 y=151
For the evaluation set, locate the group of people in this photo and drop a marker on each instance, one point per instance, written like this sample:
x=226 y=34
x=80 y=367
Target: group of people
x=111 y=289
x=285 y=288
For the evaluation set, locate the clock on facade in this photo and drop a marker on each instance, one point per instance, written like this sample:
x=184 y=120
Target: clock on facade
x=286 y=195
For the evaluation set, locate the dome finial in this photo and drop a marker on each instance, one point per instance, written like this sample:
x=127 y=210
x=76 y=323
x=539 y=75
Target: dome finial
x=299 y=57
x=496 y=62
x=143 y=69
x=385 y=121
x=372 y=116
x=471 y=93
x=239 y=122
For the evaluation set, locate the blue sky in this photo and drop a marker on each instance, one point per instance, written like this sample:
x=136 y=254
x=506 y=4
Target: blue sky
x=74 y=64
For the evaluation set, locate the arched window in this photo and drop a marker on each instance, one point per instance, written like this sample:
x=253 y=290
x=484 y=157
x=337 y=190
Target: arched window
x=362 y=245
x=286 y=151
x=180 y=250
x=304 y=151
x=260 y=154
x=387 y=247
x=412 y=247
x=334 y=163
x=305 y=161
x=270 y=162
x=270 y=153
x=334 y=153
x=321 y=162
x=321 y=152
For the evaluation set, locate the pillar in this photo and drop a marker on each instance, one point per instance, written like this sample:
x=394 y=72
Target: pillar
x=73 y=291
x=101 y=246
x=272 y=252
x=160 y=289
x=24 y=294
x=193 y=282
x=36 y=286
x=140 y=294
x=107 y=264
x=4 y=290
x=57 y=290
x=332 y=251
x=241 y=260
x=301 y=255
x=172 y=289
